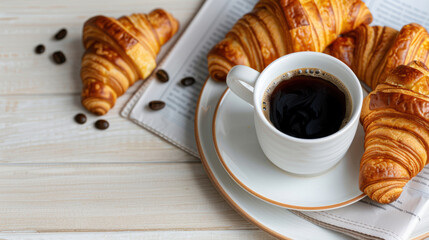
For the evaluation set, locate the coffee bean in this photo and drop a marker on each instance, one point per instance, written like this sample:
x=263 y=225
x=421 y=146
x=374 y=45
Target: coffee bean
x=187 y=81
x=80 y=118
x=40 y=49
x=162 y=75
x=102 y=124
x=59 y=57
x=156 y=105
x=61 y=34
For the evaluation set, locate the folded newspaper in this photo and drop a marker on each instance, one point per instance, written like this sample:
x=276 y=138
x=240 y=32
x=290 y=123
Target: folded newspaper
x=367 y=219
x=363 y=220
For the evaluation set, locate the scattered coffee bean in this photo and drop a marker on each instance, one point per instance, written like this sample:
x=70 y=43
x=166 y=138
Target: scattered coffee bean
x=156 y=105
x=187 y=81
x=102 y=124
x=40 y=49
x=59 y=57
x=61 y=34
x=162 y=75
x=80 y=118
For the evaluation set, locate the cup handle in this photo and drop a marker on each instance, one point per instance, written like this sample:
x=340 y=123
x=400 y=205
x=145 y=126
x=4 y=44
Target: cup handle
x=237 y=76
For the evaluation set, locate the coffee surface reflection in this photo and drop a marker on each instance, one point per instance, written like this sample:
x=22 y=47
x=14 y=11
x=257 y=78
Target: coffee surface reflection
x=308 y=106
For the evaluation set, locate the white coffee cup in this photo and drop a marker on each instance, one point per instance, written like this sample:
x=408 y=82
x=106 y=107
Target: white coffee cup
x=297 y=155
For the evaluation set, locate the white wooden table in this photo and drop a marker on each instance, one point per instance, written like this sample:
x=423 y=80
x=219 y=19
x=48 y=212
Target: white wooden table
x=59 y=179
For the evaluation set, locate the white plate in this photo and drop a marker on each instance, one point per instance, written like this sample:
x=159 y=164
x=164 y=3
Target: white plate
x=237 y=147
x=277 y=221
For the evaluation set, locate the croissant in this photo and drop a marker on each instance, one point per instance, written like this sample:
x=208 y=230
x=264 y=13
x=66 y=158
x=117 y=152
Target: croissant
x=395 y=117
x=119 y=52
x=277 y=27
x=373 y=52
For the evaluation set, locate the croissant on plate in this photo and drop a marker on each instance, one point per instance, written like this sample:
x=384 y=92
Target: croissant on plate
x=395 y=117
x=277 y=27
x=119 y=52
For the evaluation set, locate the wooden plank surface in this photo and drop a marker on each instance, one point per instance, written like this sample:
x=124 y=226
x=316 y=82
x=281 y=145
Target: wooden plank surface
x=106 y=197
x=176 y=235
x=41 y=129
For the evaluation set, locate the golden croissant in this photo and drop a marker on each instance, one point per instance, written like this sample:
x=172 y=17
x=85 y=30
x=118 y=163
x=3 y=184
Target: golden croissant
x=395 y=117
x=395 y=114
x=119 y=52
x=373 y=52
x=277 y=27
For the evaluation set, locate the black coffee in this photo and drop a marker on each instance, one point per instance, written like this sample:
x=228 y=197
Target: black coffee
x=307 y=105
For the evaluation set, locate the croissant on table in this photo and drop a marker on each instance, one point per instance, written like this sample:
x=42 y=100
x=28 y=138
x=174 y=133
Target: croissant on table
x=277 y=27
x=119 y=52
x=395 y=116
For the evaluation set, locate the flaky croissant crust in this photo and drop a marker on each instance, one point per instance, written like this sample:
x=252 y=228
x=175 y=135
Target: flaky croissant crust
x=119 y=52
x=395 y=117
x=372 y=52
x=277 y=27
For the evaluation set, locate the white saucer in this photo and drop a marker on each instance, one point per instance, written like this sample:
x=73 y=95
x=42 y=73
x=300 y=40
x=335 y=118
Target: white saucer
x=277 y=221
x=238 y=149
